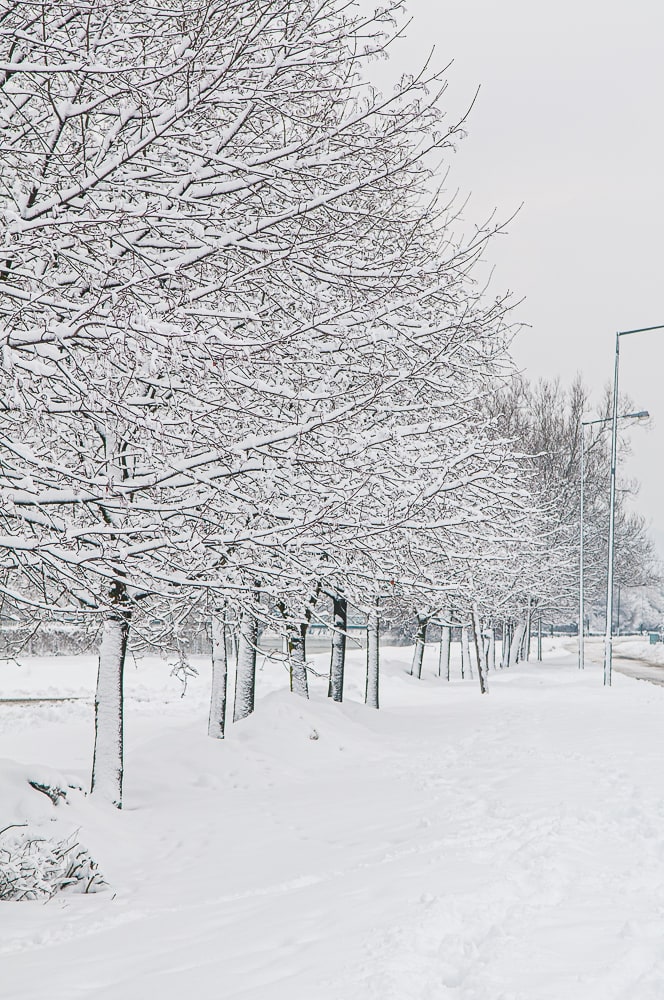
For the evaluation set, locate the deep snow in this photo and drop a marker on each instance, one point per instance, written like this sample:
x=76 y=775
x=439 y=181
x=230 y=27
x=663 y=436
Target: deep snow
x=448 y=847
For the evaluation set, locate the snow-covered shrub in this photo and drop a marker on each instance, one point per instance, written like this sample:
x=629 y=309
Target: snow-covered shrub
x=36 y=867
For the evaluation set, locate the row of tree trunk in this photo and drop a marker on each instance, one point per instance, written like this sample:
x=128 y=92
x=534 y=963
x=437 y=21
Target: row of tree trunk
x=516 y=643
x=107 y=769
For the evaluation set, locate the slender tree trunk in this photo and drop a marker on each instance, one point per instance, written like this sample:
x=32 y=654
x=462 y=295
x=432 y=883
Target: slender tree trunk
x=539 y=638
x=491 y=652
x=108 y=758
x=245 y=673
x=373 y=658
x=217 y=717
x=506 y=644
x=479 y=653
x=477 y=641
x=420 y=640
x=297 y=659
x=444 y=652
x=338 y=657
x=523 y=651
x=466 y=663
x=486 y=635
x=108 y=755
x=529 y=620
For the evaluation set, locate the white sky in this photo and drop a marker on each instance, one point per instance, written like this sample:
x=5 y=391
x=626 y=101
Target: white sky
x=568 y=121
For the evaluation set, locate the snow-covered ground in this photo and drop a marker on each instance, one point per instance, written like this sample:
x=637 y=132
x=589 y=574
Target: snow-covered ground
x=448 y=847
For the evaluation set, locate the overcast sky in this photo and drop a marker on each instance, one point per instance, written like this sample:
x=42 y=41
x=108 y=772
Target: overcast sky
x=569 y=122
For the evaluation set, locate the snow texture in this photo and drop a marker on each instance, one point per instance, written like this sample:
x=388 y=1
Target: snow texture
x=448 y=847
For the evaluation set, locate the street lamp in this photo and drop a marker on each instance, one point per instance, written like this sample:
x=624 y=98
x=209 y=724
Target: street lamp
x=608 y=637
x=587 y=423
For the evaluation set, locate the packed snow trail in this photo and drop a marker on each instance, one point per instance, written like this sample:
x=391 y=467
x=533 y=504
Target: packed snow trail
x=447 y=847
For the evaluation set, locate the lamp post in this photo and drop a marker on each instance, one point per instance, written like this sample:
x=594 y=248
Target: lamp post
x=584 y=424
x=608 y=636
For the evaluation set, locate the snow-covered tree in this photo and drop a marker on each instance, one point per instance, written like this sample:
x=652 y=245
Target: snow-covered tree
x=223 y=269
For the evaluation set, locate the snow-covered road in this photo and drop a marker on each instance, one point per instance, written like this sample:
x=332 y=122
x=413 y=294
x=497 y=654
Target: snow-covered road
x=632 y=655
x=508 y=847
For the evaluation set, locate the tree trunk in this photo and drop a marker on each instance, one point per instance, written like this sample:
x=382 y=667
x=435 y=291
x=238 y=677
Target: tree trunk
x=245 y=675
x=539 y=638
x=108 y=758
x=492 y=649
x=524 y=642
x=444 y=652
x=528 y=630
x=420 y=640
x=479 y=653
x=517 y=644
x=505 y=646
x=338 y=658
x=373 y=658
x=466 y=664
x=297 y=659
x=217 y=717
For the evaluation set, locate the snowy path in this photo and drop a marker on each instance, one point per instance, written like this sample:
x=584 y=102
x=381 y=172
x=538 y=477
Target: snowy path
x=450 y=847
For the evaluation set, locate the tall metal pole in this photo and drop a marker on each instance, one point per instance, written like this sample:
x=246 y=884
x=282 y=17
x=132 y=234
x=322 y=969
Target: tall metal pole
x=587 y=423
x=608 y=636
x=581 y=567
